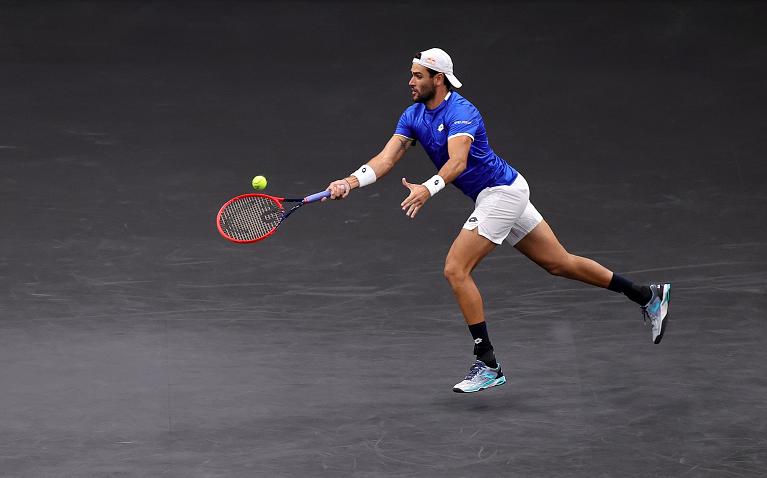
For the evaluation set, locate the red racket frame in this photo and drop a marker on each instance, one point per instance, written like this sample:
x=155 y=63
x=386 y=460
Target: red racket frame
x=250 y=195
x=308 y=199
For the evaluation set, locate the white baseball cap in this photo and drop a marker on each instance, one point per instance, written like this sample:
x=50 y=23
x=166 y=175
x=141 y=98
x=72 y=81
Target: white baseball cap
x=438 y=60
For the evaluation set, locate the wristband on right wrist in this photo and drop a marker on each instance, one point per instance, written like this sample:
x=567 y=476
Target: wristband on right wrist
x=365 y=175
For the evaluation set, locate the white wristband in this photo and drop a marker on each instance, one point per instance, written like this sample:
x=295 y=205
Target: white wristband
x=435 y=184
x=365 y=175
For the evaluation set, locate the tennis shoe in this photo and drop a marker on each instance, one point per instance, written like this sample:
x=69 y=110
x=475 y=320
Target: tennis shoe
x=480 y=377
x=655 y=313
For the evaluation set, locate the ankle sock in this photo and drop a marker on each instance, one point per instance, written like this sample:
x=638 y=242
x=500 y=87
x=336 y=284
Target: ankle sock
x=641 y=294
x=483 y=349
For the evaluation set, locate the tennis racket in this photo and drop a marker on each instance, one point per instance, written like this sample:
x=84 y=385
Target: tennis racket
x=254 y=217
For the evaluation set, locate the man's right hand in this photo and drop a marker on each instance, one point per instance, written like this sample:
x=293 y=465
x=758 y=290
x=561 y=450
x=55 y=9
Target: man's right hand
x=339 y=189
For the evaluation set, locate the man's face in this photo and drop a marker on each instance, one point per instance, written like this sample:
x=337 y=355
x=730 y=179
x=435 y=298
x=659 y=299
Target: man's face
x=422 y=86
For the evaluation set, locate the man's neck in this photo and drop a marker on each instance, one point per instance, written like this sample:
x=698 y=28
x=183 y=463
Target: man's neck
x=439 y=97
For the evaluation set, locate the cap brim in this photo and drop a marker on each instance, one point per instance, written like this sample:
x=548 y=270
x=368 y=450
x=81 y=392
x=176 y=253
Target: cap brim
x=454 y=81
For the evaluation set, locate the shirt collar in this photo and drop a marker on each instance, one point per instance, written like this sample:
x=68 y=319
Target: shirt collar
x=441 y=105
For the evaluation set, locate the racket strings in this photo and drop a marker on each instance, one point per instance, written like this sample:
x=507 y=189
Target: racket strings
x=250 y=218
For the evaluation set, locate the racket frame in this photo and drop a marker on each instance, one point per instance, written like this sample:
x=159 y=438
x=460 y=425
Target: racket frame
x=312 y=198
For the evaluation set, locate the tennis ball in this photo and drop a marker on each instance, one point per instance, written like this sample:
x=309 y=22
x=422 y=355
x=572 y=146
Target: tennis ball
x=258 y=183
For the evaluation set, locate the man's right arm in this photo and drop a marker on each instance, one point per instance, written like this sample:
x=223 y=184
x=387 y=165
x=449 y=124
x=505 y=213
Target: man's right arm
x=381 y=163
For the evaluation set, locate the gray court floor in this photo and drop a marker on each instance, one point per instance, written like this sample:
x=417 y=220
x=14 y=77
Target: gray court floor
x=134 y=341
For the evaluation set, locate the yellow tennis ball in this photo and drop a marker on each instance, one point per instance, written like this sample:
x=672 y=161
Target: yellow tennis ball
x=258 y=183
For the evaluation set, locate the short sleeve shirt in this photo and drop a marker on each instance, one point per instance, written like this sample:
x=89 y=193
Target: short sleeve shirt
x=456 y=116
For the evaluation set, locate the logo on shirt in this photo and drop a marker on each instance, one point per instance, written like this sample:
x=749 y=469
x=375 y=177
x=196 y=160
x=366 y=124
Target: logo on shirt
x=441 y=127
x=472 y=219
x=462 y=122
x=478 y=340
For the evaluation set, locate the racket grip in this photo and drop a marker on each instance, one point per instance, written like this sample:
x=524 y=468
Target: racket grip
x=316 y=197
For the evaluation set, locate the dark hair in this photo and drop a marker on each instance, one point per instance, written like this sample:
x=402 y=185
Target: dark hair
x=434 y=72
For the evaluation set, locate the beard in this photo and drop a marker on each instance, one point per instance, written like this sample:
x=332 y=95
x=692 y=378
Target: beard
x=424 y=96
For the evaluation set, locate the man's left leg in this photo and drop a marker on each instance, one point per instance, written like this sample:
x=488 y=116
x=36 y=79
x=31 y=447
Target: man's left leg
x=468 y=249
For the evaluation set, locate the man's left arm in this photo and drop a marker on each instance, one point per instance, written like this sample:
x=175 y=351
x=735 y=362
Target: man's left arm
x=458 y=152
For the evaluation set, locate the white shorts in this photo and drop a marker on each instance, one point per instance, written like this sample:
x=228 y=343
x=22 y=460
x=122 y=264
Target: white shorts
x=504 y=212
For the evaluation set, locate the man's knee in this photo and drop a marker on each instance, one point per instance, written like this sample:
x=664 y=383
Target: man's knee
x=454 y=273
x=562 y=266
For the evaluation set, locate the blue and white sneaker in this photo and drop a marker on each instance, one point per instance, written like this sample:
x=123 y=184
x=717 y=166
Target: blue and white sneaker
x=480 y=377
x=656 y=311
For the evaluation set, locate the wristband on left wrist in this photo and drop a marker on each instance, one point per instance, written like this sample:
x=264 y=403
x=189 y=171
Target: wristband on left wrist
x=434 y=184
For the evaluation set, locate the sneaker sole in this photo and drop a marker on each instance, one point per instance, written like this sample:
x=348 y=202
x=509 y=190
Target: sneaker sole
x=486 y=385
x=664 y=307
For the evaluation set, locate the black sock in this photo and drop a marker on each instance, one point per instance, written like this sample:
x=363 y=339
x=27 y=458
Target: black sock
x=483 y=349
x=488 y=358
x=641 y=294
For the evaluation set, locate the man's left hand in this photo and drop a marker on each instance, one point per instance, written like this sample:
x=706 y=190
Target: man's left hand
x=419 y=194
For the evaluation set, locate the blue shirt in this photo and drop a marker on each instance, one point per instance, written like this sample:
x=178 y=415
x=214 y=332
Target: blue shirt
x=456 y=116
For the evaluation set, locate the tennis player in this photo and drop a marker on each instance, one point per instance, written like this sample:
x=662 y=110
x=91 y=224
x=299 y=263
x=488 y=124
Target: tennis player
x=452 y=132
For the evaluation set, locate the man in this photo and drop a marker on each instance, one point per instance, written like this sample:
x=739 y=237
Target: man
x=452 y=132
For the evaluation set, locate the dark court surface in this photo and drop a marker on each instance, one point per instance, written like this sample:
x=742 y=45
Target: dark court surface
x=134 y=341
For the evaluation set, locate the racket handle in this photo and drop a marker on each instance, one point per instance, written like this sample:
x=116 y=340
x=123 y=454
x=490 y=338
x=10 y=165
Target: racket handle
x=316 y=197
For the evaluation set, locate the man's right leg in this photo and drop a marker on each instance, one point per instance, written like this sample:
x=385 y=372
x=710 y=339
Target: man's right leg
x=543 y=248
